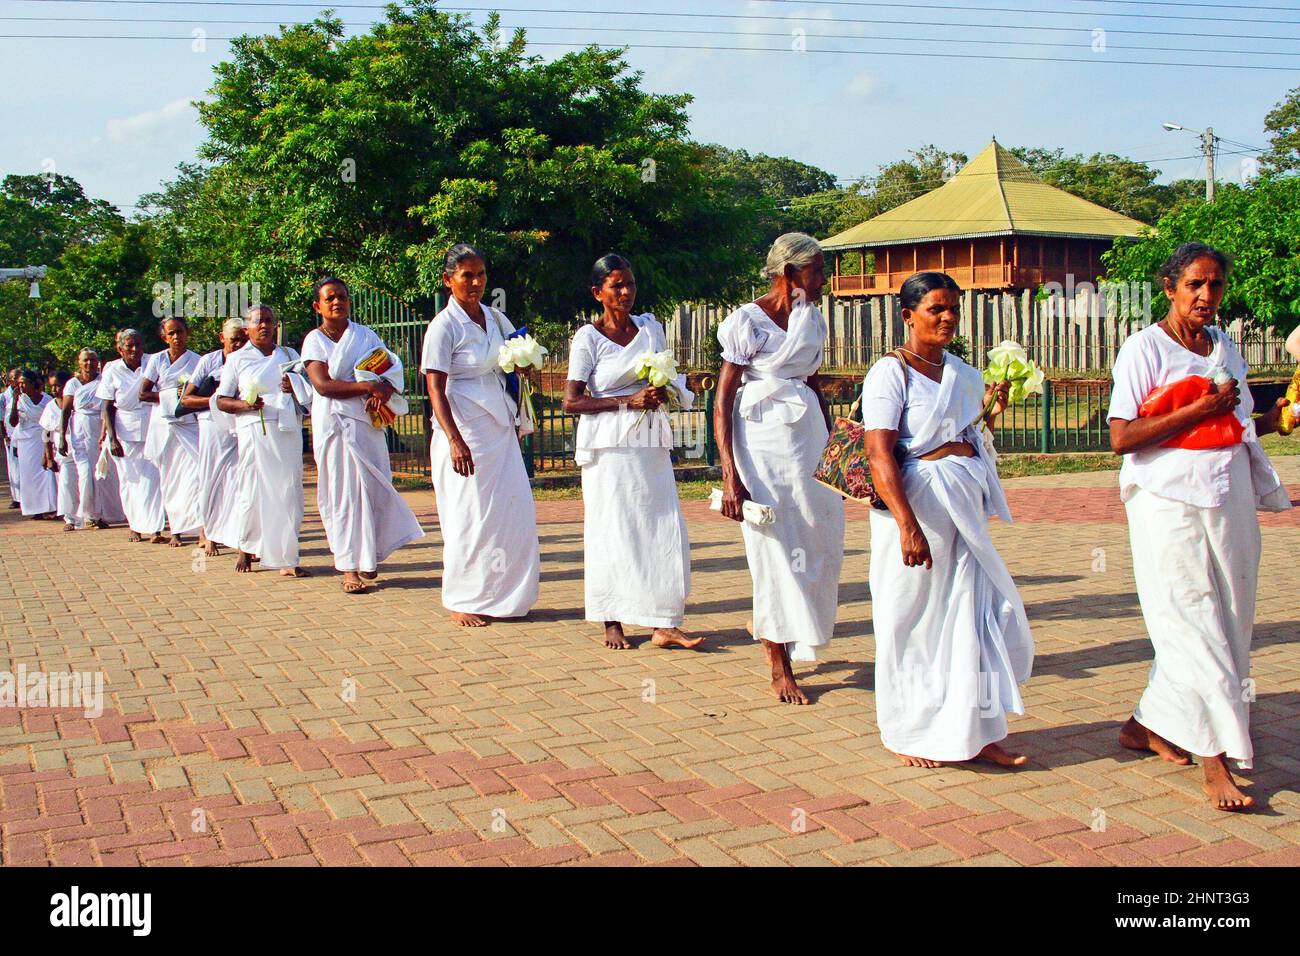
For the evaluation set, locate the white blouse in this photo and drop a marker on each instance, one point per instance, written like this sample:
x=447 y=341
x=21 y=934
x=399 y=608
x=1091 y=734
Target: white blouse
x=120 y=385
x=1151 y=358
x=456 y=345
x=210 y=366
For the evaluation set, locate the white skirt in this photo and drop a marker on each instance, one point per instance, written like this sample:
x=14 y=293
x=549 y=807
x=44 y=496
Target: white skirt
x=1197 y=571
x=365 y=518
x=795 y=562
x=97 y=498
x=38 y=491
x=218 y=462
x=952 y=642
x=491 y=558
x=637 y=566
x=139 y=485
x=269 y=495
x=178 y=468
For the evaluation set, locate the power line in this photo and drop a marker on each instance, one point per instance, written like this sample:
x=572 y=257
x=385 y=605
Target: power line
x=736 y=49
x=734 y=33
x=665 y=15
x=1028 y=10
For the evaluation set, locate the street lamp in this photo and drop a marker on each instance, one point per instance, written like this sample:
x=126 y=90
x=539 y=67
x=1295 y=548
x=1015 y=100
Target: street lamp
x=1208 y=139
x=30 y=274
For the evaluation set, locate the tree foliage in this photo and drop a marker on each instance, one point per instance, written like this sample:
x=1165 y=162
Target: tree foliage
x=1258 y=225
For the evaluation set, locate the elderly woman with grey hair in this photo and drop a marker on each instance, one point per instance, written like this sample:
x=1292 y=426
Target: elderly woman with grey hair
x=1193 y=526
x=218 y=449
x=772 y=426
x=126 y=424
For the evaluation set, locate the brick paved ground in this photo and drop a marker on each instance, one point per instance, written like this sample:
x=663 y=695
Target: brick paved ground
x=227 y=739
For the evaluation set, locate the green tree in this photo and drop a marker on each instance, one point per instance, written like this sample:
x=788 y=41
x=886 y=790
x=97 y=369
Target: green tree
x=1283 y=125
x=371 y=154
x=1246 y=223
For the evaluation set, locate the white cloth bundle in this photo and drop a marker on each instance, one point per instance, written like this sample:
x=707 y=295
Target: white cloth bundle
x=303 y=393
x=103 y=463
x=753 y=512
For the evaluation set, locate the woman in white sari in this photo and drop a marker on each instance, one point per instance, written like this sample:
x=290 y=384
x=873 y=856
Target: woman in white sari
x=491 y=558
x=268 y=513
x=365 y=518
x=772 y=426
x=57 y=458
x=36 y=480
x=637 y=558
x=1193 y=528
x=99 y=503
x=952 y=640
x=11 y=382
x=218 y=447
x=126 y=424
x=172 y=442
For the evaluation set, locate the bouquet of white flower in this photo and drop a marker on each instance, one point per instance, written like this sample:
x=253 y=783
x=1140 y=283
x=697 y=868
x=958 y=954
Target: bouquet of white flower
x=519 y=352
x=1008 y=362
x=659 y=369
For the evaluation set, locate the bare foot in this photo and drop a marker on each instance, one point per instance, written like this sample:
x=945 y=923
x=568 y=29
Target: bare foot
x=1003 y=758
x=158 y=538
x=14 y=504
x=368 y=575
x=244 y=562
x=69 y=526
x=352 y=584
x=134 y=536
x=1221 y=788
x=783 y=683
x=1136 y=737
x=909 y=761
x=175 y=541
x=211 y=548
x=614 y=637
x=99 y=523
x=673 y=637
x=295 y=573
x=469 y=620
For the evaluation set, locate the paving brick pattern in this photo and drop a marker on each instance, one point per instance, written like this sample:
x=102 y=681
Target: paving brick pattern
x=257 y=720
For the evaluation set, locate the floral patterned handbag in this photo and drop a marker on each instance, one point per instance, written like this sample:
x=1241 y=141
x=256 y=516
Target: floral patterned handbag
x=844 y=466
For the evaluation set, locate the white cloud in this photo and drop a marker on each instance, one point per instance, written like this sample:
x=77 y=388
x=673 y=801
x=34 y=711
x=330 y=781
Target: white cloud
x=862 y=85
x=152 y=124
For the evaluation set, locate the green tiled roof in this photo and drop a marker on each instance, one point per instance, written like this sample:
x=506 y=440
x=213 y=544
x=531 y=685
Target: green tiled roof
x=994 y=194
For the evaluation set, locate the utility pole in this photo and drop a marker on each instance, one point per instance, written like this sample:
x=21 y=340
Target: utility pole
x=1207 y=144
x=1208 y=140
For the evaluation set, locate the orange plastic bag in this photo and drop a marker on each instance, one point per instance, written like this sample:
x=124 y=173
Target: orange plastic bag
x=1216 y=432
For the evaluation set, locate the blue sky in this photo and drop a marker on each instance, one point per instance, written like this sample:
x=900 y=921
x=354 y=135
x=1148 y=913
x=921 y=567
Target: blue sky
x=115 y=113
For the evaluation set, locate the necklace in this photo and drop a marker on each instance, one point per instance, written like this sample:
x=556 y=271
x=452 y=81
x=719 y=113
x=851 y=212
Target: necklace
x=921 y=357
x=1174 y=332
x=330 y=335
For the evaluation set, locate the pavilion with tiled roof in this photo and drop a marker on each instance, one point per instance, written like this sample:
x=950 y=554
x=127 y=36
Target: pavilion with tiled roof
x=993 y=226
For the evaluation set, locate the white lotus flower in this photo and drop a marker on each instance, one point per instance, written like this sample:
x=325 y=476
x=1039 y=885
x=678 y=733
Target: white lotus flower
x=1006 y=352
x=522 y=351
x=658 y=368
x=250 y=390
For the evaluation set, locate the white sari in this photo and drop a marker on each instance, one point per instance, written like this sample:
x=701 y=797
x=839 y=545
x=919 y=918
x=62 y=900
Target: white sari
x=66 y=505
x=778 y=434
x=1196 y=546
x=98 y=499
x=218 y=461
x=138 y=480
x=269 y=493
x=12 y=470
x=39 y=492
x=637 y=557
x=491 y=558
x=172 y=443
x=952 y=642
x=365 y=518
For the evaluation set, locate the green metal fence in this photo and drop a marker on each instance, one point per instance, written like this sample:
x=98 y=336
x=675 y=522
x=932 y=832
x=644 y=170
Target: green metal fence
x=1070 y=415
